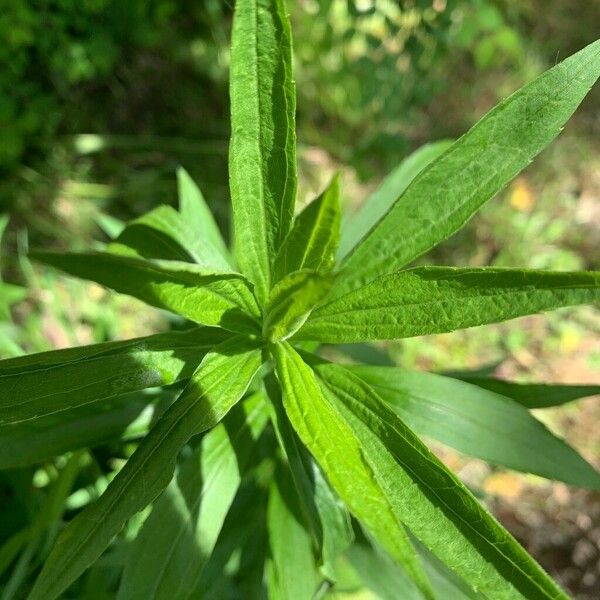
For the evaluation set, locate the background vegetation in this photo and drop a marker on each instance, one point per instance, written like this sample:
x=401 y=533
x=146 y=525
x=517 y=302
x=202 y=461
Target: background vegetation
x=100 y=100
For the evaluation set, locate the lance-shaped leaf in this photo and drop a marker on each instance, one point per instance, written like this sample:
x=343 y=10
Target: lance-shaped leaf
x=314 y=237
x=262 y=155
x=219 y=382
x=428 y=498
x=339 y=453
x=124 y=418
x=445 y=195
x=187 y=518
x=163 y=233
x=222 y=299
x=479 y=423
x=244 y=529
x=291 y=301
x=532 y=395
x=196 y=213
x=440 y=299
x=36 y=386
x=382 y=199
x=292 y=573
x=389 y=581
x=326 y=517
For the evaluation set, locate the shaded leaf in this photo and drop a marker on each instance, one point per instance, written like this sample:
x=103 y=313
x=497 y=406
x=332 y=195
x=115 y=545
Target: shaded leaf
x=219 y=382
x=479 y=423
x=291 y=571
x=124 y=418
x=163 y=233
x=187 y=518
x=532 y=395
x=196 y=213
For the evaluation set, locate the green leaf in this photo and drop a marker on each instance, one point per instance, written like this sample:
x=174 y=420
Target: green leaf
x=126 y=417
x=532 y=395
x=36 y=386
x=292 y=572
x=314 y=237
x=479 y=423
x=262 y=155
x=381 y=575
x=44 y=524
x=339 y=453
x=243 y=533
x=393 y=186
x=196 y=213
x=425 y=495
x=327 y=518
x=291 y=301
x=445 y=195
x=440 y=299
x=219 y=382
x=163 y=233
x=221 y=299
x=187 y=518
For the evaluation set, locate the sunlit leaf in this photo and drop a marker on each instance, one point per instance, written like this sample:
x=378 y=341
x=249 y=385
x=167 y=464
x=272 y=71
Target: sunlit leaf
x=38 y=385
x=440 y=299
x=445 y=195
x=208 y=298
x=426 y=496
x=382 y=199
x=314 y=237
x=262 y=156
x=292 y=300
x=339 y=453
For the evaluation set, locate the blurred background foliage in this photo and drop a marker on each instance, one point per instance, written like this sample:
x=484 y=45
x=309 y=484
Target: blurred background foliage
x=101 y=100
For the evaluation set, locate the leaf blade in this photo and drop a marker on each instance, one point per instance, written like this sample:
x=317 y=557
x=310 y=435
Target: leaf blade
x=219 y=382
x=532 y=395
x=292 y=300
x=319 y=427
x=262 y=158
x=195 y=211
x=447 y=193
x=478 y=422
x=223 y=299
x=187 y=518
x=382 y=199
x=292 y=571
x=313 y=240
x=163 y=233
x=431 y=501
x=441 y=299
x=40 y=385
